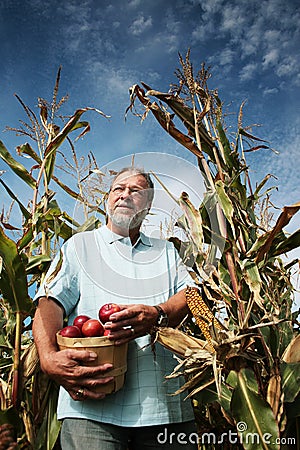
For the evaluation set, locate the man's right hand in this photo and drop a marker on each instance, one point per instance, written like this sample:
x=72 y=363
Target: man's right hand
x=72 y=370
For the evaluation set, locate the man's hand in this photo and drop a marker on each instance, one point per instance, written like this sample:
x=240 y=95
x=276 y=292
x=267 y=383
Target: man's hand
x=138 y=319
x=131 y=322
x=71 y=369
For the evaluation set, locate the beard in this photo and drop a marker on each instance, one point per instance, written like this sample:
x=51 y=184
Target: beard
x=130 y=220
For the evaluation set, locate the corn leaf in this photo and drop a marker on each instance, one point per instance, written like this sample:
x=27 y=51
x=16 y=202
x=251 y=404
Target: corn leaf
x=34 y=262
x=16 y=167
x=231 y=161
x=225 y=397
x=164 y=119
x=70 y=126
x=72 y=193
x=193 y=218
x=23 y=209
x=251 y=410
x=186 y=115
x=179 y=342
x=274 y=393
x=284 y=218
x=252 y=277
x=285 y=246
x=11 y=416
x=292 y=351
x=26 y=149
x=13 y=280
x=225 y=201
x=290 y=373
x=50 y=426
x=250 y=136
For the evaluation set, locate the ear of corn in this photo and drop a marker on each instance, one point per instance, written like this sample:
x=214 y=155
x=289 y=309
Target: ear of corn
x=180 y=343
x=201 y=312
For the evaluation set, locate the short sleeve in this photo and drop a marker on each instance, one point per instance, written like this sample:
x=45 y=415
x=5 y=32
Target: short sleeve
x=62 y=279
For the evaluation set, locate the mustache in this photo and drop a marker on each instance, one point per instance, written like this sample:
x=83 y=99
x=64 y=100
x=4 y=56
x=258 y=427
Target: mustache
x=125 y=204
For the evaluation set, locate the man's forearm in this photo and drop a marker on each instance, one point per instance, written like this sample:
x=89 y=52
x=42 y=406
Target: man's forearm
x=47 y=321
x=176 y=308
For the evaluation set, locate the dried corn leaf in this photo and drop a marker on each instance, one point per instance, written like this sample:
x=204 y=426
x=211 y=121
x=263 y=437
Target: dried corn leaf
x=179 y=342
x=55 y=272
x=30 y=360
x=292 y=352
x=254 y=282
x=200 y=388
x=163 y=119
x=287 y=213
x=274 y=393
x=194 y=220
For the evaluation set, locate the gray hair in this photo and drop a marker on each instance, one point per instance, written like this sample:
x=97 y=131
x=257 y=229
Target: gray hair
x=136 y=171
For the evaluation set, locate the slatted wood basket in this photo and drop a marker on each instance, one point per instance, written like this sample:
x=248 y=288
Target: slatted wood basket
x=107 y=352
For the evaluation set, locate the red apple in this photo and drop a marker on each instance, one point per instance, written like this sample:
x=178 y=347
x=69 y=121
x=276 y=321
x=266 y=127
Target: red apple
x=70 y=331
x=107 y=310
x=106 y=332
x=79 y=321
x=92 y=328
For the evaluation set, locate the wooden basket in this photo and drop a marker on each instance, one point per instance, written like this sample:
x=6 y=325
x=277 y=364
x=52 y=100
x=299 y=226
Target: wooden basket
x=107 y=352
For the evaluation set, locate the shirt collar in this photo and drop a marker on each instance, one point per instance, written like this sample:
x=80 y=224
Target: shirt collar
x=111 y=237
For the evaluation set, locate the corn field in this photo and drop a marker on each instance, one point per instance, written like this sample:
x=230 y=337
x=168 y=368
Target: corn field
x=243 y=370
x=239 y=352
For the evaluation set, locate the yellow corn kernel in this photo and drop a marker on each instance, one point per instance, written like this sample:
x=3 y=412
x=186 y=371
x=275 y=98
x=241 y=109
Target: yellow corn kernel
x=201 y=312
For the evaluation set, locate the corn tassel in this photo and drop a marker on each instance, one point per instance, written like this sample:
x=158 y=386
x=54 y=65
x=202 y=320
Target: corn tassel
x=201 y=312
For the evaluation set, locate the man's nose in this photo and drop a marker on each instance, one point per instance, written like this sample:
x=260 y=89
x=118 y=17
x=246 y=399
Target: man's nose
x=125 y=193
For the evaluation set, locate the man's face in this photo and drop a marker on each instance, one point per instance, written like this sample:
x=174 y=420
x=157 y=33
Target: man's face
x=128 y=201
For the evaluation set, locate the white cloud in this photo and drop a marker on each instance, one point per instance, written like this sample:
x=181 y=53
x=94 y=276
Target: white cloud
x=270 y=91
x=140 y=24
x=288 y=66
x=248 y=71
x=271 y=58
x=202 y=31
x=227 y=57
x=233 y=19
x=116 y=79
x=272 y=36
x=297 y=80
x=250 y=41
x=212 y=6
x=134 y=3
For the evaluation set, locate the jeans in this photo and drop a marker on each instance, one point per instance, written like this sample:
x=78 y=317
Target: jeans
x=78 y=434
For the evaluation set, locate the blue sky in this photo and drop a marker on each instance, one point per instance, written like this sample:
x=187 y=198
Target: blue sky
x=104 y=47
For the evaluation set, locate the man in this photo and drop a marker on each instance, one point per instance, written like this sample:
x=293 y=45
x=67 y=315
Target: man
x=117 y=263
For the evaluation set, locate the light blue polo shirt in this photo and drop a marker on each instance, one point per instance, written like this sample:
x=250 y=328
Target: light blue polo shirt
x=101 y=267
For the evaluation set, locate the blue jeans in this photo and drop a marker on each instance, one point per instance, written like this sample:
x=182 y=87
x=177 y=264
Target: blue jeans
x=78 y=434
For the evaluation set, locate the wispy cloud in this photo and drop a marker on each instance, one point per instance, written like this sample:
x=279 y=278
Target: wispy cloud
x=134 y=3
x=266 y=31
x=288 y=66
x=248 y=72
x=233 y=19
x=140 y=24
x=270 y=58
x=270 y=91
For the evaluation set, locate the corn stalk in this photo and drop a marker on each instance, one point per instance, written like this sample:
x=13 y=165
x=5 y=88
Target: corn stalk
x=243 y=307
x=28 y=399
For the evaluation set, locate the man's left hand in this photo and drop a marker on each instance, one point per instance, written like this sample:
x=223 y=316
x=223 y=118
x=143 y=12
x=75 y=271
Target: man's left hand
x=131 y=322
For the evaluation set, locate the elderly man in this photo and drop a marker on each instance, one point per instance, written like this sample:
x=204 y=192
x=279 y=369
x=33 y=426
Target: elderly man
x=119 y=264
